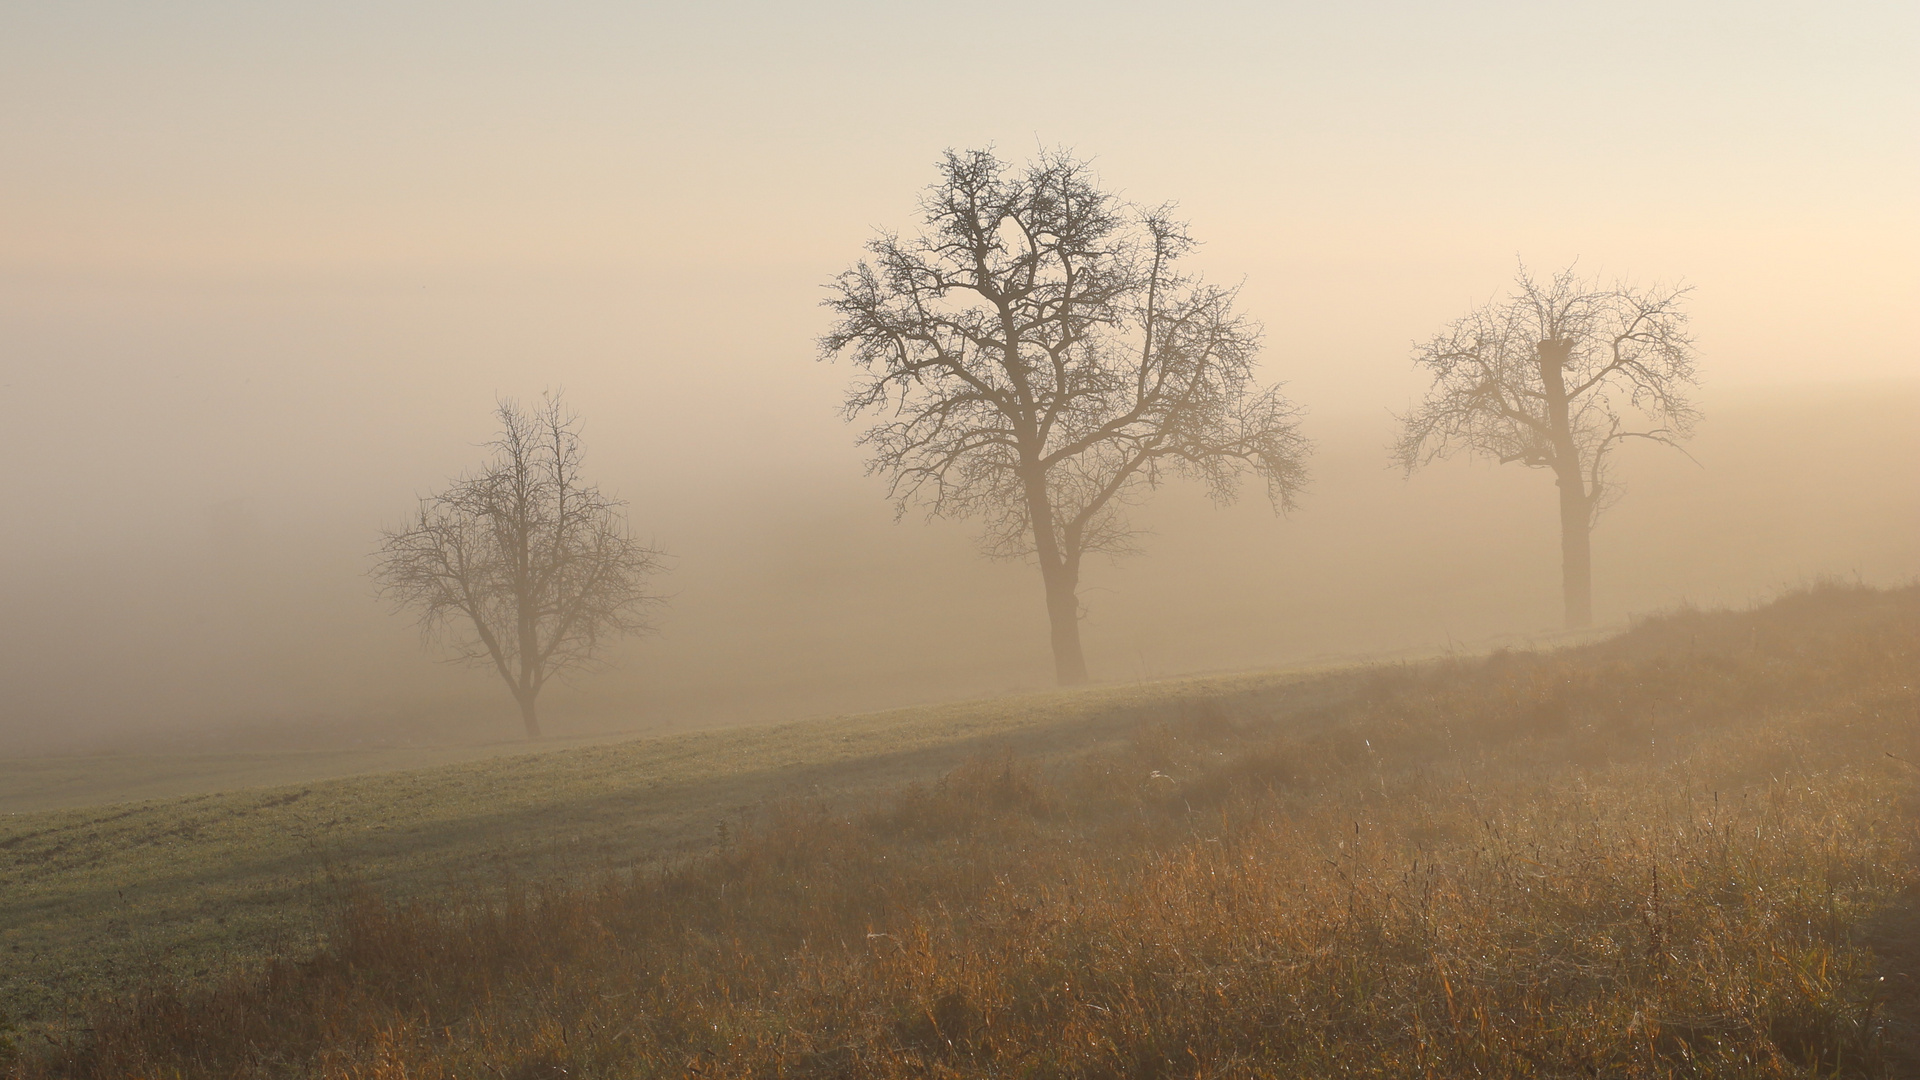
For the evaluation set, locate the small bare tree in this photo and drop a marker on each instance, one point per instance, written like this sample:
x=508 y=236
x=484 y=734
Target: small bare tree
x=1556 y=377
x=1035 y=357
x=522 y=566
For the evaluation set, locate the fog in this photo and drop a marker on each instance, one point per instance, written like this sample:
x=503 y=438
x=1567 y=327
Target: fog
x=264 y=273
x=250 y=622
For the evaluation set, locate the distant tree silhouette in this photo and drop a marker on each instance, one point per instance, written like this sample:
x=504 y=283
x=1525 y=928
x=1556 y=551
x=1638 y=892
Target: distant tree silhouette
x=1035 y=357
x=1556 y=377
x=522 y=566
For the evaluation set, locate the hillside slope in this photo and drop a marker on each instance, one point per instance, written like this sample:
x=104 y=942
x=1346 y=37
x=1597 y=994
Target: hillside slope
x=1687 y=851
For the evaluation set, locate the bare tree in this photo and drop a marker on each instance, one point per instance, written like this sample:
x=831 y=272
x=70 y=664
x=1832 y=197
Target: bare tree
x=523 y=567
x=1035 y=357
x=1557 y=377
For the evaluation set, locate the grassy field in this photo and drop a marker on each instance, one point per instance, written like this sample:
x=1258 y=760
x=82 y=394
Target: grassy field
x=75 y=781
x=1688 y=851
x=102 y=899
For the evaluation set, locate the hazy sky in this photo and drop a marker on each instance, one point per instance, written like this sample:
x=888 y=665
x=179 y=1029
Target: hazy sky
x=381 y=210
x=430 y=186
x=290 y=253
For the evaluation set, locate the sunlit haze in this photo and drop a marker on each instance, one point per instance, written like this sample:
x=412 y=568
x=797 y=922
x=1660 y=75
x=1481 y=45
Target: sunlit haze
x=265 y=270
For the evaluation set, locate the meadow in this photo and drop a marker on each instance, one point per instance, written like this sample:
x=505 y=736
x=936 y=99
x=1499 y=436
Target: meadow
x=77 y=781
x=1688 y=850
x=239 y=864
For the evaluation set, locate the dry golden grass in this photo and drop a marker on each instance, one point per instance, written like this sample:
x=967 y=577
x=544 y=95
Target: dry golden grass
x=1686 y=852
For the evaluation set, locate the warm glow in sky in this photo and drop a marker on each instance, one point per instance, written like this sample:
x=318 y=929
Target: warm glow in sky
x=486 y=188
x=294 y=251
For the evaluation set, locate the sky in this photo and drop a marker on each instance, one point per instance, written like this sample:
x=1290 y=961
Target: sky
x=265 y=267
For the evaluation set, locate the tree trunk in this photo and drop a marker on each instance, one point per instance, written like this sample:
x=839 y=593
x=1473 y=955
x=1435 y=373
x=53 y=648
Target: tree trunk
x=528 y=691
x=1063 y=613
x=529 y=715
x=1576 y=551
x=1576 y=511
x=1061 y=574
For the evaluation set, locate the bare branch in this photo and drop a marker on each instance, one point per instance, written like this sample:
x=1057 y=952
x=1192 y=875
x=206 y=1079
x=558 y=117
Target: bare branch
x=521 y=567
x=1036 y=358
x=1556 y=377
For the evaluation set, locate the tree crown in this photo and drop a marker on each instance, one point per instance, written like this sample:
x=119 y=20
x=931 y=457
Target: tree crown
x=522 y=566
x=1556 y=376
x=1038 y=337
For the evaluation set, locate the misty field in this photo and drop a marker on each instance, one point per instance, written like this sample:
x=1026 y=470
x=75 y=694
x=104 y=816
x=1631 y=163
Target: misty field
x=102 y=899
x=1685 y=851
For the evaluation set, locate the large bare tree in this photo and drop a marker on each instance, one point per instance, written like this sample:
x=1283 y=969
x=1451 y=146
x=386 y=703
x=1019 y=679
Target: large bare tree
x=1557 y=377
x=1035 y=356
x=522 y=566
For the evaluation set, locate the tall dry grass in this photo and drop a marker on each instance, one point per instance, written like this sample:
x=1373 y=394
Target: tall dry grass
x=1686 y=852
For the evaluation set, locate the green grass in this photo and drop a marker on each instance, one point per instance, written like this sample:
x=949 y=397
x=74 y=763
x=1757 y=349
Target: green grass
x=75 y=781
x=100 y=899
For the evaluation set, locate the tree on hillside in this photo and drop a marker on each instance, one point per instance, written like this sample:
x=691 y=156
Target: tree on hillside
x=522 y=566
x=1557 y=377
x=1036 y=357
